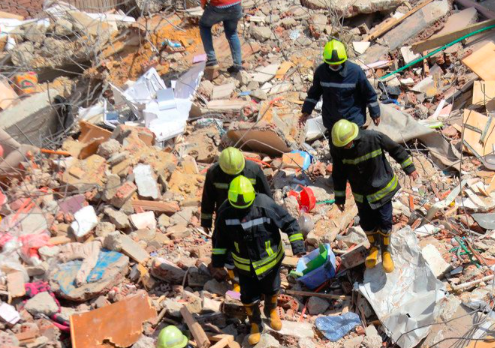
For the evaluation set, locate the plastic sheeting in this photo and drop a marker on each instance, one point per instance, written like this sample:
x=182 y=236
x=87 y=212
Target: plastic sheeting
x=408 y=298
x=402 y=128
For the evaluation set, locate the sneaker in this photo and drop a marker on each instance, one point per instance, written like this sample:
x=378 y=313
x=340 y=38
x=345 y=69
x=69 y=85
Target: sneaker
x=234 y=69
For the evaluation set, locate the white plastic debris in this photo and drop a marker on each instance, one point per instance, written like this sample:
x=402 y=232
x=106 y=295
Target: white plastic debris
x=85 y=221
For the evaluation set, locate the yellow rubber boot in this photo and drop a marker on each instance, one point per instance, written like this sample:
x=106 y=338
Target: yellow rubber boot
x=372 y=258
x=271 y=312
x=254 y=315
x=387 y=262
x=235 y=285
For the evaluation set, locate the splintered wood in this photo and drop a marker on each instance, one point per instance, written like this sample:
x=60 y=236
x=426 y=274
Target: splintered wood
x=117 y=325
x=479 y=133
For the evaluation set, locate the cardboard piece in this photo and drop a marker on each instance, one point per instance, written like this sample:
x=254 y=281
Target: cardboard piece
x=481 y=62
x=120 y=323
x=477 y=127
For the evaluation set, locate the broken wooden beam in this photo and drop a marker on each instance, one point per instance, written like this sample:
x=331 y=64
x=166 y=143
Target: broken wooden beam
x=382 y=29
x=420 y=47
x=197 y=331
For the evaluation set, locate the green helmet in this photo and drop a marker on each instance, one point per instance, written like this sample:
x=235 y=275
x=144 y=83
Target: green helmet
x=241 y=192
x=171 y=337
x=231 y=161
x=343 y=132
x=334 y=52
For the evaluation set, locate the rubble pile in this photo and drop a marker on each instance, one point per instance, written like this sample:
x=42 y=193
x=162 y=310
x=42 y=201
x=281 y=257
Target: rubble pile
x=109 y=124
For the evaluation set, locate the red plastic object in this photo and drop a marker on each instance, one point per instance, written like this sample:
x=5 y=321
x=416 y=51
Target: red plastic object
x=305 y=198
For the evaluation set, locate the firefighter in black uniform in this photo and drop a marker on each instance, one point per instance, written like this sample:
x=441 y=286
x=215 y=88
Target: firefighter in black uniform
x=231 y=163
x=248 y=225
x=359 y=156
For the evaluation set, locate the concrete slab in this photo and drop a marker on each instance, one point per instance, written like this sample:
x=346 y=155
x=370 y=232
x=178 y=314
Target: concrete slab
x=32 y=119
x=351 y=8
x=458 y=20
x=416 y=23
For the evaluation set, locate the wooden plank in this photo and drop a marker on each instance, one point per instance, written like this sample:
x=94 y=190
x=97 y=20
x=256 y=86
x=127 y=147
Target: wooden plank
x=315 y=294
x=481 y=62
x=161 y=207
x=197 y=331
x=441 y=40
x=15 y=283
x=475 y=124
x=382 y=29
x=224 y=342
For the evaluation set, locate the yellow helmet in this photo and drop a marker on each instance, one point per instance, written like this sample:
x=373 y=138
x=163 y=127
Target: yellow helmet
x=343 y=132
x=171 y=337
x=231 y=161
x=334 y=52
x=241 y=192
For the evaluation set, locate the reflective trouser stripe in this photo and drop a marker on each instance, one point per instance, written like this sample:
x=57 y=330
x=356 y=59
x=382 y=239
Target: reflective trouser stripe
x=337 y=85
x=363 y=158
x=221 y=185
x=358 y=198
x=296 y=237
x=217 y=251
x=339 y=193
x=206 y=216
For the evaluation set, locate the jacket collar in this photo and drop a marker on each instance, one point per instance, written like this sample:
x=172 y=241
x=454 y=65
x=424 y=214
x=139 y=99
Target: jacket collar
x=342 y=72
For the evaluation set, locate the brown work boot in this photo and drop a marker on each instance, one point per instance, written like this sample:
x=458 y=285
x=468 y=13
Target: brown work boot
x=271 y=312
x=372 y=258
x=212 y=72
x=387 y=262
x=254 y=314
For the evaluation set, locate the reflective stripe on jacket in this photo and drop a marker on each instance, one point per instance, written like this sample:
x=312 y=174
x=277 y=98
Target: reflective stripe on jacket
x=346 y=94
x=367 y=169
x=253 y=236
x=217 y=185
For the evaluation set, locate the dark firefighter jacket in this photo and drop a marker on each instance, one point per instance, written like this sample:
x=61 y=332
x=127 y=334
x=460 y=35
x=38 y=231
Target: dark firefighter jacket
x=367 y=169
x=253 y=236
x=346 y=94
x=217 y=186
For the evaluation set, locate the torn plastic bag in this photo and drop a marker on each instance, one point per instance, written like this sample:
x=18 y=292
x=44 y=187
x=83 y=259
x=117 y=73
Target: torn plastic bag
x=334 y=328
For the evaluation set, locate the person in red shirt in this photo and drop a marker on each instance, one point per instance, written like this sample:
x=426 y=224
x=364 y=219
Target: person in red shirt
x=229 y=12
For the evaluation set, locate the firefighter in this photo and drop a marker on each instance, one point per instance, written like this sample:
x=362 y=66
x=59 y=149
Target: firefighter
x=248 y=225
x=345 y=89
x=231 y=163
x=359 y=157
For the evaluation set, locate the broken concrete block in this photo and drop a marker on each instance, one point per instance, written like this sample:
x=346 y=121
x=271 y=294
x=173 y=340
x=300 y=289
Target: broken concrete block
x=86 y=220
x=167 y=271
x=416 y=23
x=123 y=193
x=210 y=305
x=103 y=229
x=361 y=46
x=265 y=74
x=267 y=341
x=145 y=181
x=259 y=94
x=294 y=329
x=178 y=232
x=118 y=218
x=408 y=54
x=164 y=221
x=351 y=8
x=108 y=148
x=435 y=260
x=223 y=91
x=47 y=252
x=120 y=242
x=215 y=287
x=143 y=220
x=42 y=303
x=261 y=33
x=317 y=305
